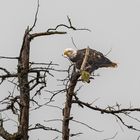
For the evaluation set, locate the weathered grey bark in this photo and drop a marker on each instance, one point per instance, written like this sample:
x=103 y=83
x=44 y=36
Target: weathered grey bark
x=23 y=69
x=68 y=104
x=24 y=98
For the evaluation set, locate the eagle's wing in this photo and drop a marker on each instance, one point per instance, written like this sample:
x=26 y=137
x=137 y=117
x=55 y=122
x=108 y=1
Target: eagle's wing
x=95 y=60
x=98 y=60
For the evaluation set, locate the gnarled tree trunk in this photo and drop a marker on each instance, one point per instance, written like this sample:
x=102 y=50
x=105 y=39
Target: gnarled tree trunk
x=68 y=104
x=23 y=69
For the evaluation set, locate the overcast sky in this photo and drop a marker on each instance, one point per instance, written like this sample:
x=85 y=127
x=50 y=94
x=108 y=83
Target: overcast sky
x=114 y=25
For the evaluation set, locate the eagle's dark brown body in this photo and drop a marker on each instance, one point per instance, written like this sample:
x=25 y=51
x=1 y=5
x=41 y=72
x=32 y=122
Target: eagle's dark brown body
x=95 y=60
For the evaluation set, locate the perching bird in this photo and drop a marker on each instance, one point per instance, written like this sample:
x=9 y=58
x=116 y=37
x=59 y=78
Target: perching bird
x=95 y=60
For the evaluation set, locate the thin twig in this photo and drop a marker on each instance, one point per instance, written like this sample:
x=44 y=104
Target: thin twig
x=138 y=138
x=36 y=14
x=87 y=126
x=111 y=137
x=74 y=43
x=108 y=52
x=4 y=57
x=56 y=138
x=40 y=126
x=68 y=27
x=85 y=59
x=128 y=126
x=50 y=63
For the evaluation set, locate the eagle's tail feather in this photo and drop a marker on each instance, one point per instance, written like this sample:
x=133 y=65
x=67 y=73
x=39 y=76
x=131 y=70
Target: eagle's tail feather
x=113 y=65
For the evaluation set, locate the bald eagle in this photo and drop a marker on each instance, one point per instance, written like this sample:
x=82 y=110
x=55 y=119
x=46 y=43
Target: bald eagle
x=94 y=61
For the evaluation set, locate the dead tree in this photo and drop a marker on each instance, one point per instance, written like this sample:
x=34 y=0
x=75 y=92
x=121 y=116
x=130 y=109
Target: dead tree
x=20 y=104
x=22 y=75
x=24 y=84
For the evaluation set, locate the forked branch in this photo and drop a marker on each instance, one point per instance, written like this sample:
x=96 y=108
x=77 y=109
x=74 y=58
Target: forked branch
x=112 y=111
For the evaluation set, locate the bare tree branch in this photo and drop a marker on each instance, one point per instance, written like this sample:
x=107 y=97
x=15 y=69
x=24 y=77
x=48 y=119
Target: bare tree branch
x=66 y=26
x=4 y=134
x=7 y=75
x=36 y=14
x=138 y=138
x=32 y=36
x=85 y=59
x=7 y=136
x=68 y=104
x=128 y=126
x=87 y=126
x=52 y=31
x=74 y=43
x=56 y=138
x=4 y=57
x=84 y=124
x=111 y=137
x=108 y=52
x=40 y=126
x=112 y=111
x=108 y=111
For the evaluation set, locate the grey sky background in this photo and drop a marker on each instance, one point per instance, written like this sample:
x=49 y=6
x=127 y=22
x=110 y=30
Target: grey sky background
x=115 y=24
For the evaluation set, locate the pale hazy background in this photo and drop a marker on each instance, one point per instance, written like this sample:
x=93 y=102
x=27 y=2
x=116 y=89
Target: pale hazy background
x=115 y=25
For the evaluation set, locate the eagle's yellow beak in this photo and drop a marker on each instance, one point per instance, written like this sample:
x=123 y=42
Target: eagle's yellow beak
x=66 y=53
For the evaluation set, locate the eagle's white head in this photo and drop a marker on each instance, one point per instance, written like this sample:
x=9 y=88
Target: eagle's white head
x=70 y=53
